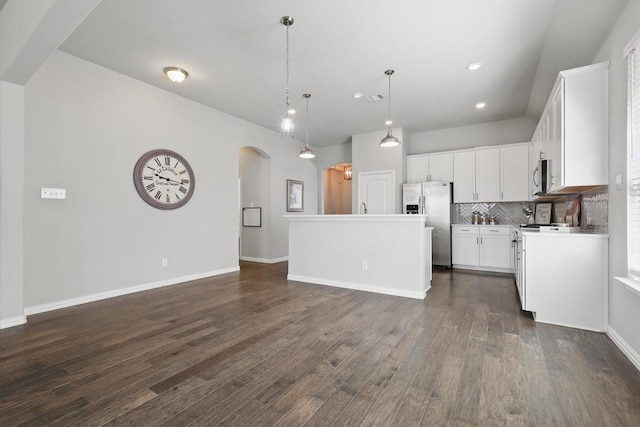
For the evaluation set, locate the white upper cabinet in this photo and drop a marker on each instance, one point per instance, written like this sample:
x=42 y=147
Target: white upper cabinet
x=430 y=167
x=573 y=131
x=514 y=178
x=496 y=174
x=491 y=175
x=488 y=175
x=464 y=177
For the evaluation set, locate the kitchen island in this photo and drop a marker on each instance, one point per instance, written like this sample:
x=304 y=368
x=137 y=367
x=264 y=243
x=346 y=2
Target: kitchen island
x=388 y=254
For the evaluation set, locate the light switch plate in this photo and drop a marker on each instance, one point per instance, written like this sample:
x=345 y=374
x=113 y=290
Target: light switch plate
x=53 y=193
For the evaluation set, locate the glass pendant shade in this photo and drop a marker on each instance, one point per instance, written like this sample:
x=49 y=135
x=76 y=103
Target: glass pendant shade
x=286 y=127
x=348 y=173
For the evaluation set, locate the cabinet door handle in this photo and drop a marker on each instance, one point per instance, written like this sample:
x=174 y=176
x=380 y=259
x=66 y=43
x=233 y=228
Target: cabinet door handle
x=477 y=241
x=501 y=195
x=481 y=240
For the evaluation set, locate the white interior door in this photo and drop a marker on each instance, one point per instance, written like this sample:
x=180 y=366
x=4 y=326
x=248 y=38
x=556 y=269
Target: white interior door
x=376 y=192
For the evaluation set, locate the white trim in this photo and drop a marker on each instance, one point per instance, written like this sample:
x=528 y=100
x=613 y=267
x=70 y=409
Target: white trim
x=264 y=260
x=478 y=268
x=633 y=43
x=632 y=285
x=631 y=354
x=42 y=308
x=13 y=321
x=359 y=287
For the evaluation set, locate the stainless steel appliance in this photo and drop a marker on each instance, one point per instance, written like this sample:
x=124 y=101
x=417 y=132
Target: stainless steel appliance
x=434 y=200
x=542 y=170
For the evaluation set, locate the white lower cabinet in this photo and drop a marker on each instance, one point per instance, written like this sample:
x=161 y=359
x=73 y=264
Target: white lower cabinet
x=565 y=279
x=481 y=247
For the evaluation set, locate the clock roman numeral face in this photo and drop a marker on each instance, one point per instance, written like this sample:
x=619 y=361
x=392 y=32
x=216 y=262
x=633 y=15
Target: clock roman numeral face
x=164 y=179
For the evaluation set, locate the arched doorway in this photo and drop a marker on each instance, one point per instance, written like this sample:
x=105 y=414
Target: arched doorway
x=337 y=189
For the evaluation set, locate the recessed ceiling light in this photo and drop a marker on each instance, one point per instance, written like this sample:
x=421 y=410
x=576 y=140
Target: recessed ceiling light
x=175 y=74
x=388 y=122
x=291 y=111
x=474 y=66
x=357 y=95
x=481 y=105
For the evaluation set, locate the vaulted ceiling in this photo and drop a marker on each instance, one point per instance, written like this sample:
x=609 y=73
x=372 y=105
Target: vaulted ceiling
x=234 y=51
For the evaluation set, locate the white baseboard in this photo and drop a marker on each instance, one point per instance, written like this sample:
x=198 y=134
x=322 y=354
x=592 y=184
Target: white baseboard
x=631 y=354
x=13 y=321
x=264 y=260
x=359 y=287
x=124 y=291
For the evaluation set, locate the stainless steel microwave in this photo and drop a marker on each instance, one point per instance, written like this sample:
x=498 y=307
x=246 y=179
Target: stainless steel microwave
x=540 y=177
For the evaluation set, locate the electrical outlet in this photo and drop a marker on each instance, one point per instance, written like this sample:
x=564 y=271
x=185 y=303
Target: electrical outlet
x=53 y=193
x=165 y=262
x=365 y=265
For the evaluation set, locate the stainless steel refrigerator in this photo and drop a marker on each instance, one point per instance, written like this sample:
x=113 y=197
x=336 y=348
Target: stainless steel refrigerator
x=434 y=200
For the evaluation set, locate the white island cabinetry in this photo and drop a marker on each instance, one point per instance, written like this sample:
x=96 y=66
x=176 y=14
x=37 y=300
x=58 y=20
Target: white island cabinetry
x=388 y=254
x=565 y=278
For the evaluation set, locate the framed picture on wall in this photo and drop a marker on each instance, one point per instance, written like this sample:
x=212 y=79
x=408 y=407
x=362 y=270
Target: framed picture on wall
x=252 y=217
x=295 y=196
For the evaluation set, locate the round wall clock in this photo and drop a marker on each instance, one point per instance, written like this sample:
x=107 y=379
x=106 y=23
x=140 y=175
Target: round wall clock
x=164 y=179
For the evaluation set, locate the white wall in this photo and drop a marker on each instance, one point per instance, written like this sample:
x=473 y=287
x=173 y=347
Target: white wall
x=85 y=128
x=255 y=172
x=368 y=156
x=493 y=133
x=11 y=203
x=624 y=306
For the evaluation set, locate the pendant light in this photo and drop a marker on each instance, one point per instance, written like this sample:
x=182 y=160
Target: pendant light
x=348 y=173
x=286 y=127
x=389 y=140
x=306 y=153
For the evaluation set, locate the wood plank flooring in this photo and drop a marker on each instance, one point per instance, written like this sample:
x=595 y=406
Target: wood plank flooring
x=252 y=349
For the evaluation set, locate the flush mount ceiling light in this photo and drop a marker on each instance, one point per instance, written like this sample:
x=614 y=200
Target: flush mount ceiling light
x=474 y=66
x=306 y=153
x=481 y=105
x=175 y=74
x=286 y=127
x=389 y=140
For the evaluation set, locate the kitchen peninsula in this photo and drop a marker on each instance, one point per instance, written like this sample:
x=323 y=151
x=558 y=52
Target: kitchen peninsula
x=388 y=254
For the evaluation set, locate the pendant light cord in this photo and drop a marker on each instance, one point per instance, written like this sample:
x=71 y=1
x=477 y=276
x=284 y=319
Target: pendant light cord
x=389 y=117
x=287 y=83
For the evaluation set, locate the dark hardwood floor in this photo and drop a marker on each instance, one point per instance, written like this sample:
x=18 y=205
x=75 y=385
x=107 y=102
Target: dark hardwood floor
x=250 y=348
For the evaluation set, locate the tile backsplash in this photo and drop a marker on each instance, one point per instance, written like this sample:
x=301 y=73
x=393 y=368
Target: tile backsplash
x=505 y=213
x=594 y=208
